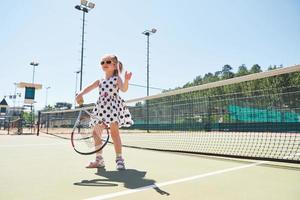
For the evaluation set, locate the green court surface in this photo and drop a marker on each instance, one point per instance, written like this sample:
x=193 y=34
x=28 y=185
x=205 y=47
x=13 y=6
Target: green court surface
x=46 y=167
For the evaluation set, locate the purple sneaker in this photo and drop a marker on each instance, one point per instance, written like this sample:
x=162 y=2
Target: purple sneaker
x=120 y=163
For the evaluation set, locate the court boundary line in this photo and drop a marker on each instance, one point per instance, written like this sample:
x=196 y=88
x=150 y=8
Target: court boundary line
x=172 y=182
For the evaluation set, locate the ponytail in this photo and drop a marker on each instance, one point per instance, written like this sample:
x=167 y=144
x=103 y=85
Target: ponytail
x=119 y=66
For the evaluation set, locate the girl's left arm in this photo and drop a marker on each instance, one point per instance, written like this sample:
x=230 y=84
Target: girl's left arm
x=123 y=86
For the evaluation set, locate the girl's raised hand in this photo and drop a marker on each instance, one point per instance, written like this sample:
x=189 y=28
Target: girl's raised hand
x=128 y=75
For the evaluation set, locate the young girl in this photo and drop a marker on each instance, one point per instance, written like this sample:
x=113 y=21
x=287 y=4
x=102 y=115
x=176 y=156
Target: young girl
x=110 y=107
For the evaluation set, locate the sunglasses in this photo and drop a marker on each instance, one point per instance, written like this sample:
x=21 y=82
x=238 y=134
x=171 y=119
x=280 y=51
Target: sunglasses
x=107 y=62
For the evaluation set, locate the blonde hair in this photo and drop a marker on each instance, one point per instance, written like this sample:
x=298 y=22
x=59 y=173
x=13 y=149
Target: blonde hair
x=115 y=60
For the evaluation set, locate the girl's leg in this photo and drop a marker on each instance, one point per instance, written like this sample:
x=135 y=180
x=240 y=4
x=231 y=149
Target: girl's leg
x=97 y=132
x=115 y=134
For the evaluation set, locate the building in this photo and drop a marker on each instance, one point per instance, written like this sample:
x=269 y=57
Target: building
x=3 y=107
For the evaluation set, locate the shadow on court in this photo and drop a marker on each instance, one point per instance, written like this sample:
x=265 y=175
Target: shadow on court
x=131 y=179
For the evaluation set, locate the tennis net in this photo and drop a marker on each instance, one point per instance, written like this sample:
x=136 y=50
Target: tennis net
x=256 y=116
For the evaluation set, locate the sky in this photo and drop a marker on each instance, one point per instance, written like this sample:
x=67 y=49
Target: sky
x=193 y=37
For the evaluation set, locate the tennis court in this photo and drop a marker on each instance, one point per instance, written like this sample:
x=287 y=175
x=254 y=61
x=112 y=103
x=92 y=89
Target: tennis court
x=232 y=139
x=179 y=100
x=45 y=167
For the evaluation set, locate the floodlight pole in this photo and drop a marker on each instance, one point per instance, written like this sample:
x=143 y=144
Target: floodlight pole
x=148 y=33
x=85 y=7
x=34 y=64
x=82 y=48
x=15 y=96
x=47 y=88
x=76 y=80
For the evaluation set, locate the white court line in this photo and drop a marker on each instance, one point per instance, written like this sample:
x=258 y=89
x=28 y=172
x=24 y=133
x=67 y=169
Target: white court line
x=125 y=192
x=122 y=193
x=22 y=145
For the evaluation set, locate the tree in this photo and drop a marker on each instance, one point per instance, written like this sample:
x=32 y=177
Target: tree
x=48 y=108
x=242 y=71
x=27 y=117
x=271 y=67
x=226 y=72
x=218 y=73
x=255 y=69
x=209 y=77
x=188 y=85
x=63 y=105
x=197 y=80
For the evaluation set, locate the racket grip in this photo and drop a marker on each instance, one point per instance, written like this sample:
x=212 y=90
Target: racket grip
x=80 y=102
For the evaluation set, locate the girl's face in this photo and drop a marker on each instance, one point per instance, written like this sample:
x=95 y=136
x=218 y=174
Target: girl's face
x=107 y=65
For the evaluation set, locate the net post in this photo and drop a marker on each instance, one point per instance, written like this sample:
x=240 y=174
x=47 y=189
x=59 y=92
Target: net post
x=47 y=123
x=38 y=123
x=8 y=126
x=147 y=106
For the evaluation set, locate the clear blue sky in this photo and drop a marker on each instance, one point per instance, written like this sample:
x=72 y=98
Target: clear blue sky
x=194 y=37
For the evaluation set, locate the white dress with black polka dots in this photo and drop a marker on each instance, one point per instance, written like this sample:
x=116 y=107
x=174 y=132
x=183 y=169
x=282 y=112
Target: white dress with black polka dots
x=110 y=106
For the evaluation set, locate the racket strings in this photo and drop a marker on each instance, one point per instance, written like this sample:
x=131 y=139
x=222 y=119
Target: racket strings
x=87 y=138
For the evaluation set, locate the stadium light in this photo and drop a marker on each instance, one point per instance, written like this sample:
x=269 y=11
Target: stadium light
x=149 y=32
x=33 y=64
x=84 y=2
x=91 y=5
x=85 y=6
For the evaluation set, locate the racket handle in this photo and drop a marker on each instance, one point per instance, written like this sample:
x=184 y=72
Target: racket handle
x=79 y=99
x=80 y=102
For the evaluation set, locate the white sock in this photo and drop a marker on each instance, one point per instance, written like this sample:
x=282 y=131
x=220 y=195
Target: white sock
x=119 y=155
x=99 y=154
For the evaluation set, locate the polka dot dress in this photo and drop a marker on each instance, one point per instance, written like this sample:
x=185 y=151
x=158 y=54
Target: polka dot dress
x=110 y=106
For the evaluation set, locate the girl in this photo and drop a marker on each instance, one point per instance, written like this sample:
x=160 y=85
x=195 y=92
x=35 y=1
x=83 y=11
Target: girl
x=110 y=107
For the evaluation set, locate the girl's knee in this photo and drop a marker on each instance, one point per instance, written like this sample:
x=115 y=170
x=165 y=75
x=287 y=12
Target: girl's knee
x=98 y=129
x=114 y=126
x=114 y=132
x=95 y=133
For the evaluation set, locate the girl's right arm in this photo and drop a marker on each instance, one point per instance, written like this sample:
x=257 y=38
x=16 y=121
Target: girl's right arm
x=79 y=97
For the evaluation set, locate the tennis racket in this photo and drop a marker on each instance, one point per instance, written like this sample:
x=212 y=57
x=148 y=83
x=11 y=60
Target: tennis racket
x=82 y=137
